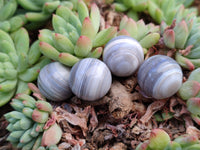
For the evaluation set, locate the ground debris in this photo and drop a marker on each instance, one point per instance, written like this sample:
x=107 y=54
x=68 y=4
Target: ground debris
x=152 y=108
x=120 y=103
x=120 y=120
x=192 y=130
x=117 y=146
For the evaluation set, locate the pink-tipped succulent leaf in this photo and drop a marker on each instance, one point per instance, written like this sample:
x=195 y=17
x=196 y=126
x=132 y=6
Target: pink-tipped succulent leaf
x=52 y=135
x=158 y=139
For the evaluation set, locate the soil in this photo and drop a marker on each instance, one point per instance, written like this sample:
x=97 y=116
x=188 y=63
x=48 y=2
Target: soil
x=120 y=120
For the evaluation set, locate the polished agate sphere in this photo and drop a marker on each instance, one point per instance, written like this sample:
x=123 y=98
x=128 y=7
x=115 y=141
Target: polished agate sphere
x=123 y=55
x=90 y=79
x=160 y=77
x=53 y=82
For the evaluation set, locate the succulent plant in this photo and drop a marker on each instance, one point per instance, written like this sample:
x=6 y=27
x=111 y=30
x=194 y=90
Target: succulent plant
x=155 y=141
x=32 y=13
x=147 y=35
x=176 y=35
x=31 y=124
x=9 y=19
x=190 y=91
x=183 y=35
x=75 y=36
x=186 y=3
x=159 y=10
x=193 y=107
x=191 y=87
x=165 y=10
x=37 y=12
x=187 y=140
x=19 y=64
x=132 y=7
x=143 y=146
x=184 y=142
x=191 y=60
x=173 y=146
x=7 y=9
x=160 y=140
x=53 y=147
x=163 y=116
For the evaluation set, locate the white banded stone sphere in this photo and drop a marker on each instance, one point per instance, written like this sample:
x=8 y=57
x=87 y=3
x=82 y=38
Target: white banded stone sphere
x=90 y=79
x=160 y=77
x=53 y=82
x=123 y=55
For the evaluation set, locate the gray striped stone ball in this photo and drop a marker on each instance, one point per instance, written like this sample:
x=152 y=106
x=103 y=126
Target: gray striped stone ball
x=160 y=77
x=90 y=79
x=123 y=55
x=53 y=82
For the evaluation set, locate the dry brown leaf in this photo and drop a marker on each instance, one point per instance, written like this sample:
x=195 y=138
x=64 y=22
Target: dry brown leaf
x=139 y=108
x=188 y=121
x=74 y=119
x=154 y=107
x=173 y=102
x=71 y=140
x=119 y=146
x=191 y=130
x=93 y=120
x=64 y=145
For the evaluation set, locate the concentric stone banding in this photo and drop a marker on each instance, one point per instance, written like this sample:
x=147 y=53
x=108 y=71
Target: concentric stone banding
x=123 y=55
x=53 y=82
x=90 y=79
x=160 y=77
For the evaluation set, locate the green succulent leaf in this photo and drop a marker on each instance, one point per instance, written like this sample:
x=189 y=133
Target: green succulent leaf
x=27 y=122
x=75 y=35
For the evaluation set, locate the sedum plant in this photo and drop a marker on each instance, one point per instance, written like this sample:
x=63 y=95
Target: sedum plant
x=160 y=140
x=32 y=125
x=186 y=3
x=155 y=141
x=193 y=107
x=7 y=9
x=132 y=7
x=165 y=10
x=19 y=63
x=159 y=10
x=9 y=19
x=147 y=35
x=190 y=91
x=183 y=35
x=75 y=36
x=32 y=13
x=39 y=11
